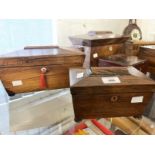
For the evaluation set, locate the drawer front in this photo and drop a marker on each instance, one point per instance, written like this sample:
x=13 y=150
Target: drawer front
x=28 y=79
x=110 y=105
x=103 y=51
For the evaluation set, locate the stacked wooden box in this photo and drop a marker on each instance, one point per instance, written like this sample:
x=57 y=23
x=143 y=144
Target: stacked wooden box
x=99 y=45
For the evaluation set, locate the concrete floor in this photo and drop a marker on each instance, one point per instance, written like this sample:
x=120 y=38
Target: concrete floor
x=36 y=115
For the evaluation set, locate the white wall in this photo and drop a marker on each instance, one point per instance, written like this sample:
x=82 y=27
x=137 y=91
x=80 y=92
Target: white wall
x=69 y=27
x=18 y=33
x=148 y=28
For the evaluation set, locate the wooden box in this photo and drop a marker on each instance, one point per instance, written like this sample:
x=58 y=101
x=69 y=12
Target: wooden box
x=109 y=92
x=124 y=61
x=38 y=69
x=99 y=45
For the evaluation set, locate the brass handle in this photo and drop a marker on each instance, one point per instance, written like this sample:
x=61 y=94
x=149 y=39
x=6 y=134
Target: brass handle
x=114 y=98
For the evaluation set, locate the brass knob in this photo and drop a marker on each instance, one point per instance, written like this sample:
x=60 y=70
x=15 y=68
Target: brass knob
x=114 y=98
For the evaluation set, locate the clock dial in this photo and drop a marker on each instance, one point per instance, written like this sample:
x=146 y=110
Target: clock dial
x=135 y=34
x=133 y=30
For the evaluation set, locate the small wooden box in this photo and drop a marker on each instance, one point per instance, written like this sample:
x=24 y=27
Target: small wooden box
x=38 y=69
x=109 y=92
x=99 y=45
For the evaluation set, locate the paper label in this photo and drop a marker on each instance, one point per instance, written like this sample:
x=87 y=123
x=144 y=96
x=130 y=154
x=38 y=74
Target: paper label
x=111 y=79
x=137 y=99
x=17 y=83
x=79 y=75
x=95 y=55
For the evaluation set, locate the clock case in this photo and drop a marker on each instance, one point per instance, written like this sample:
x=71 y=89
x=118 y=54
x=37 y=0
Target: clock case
x=131 y=26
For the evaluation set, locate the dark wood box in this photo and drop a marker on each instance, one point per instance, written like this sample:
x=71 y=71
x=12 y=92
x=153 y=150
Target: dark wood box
x=124 y=61
x=97 y=92
x=99 y=45
x=38 y=69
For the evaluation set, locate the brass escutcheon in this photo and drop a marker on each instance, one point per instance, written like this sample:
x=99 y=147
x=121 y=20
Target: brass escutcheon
x=114 y=98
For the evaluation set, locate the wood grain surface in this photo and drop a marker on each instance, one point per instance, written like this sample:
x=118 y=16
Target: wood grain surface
x=98 y=40
x=94 y=99
x=99 y=45
x=25 y=66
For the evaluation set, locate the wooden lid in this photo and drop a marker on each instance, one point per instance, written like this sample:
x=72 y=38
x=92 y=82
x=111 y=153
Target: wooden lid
x=32 y=57
x=98 y=39
x=53 y=52
x=94 y=81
